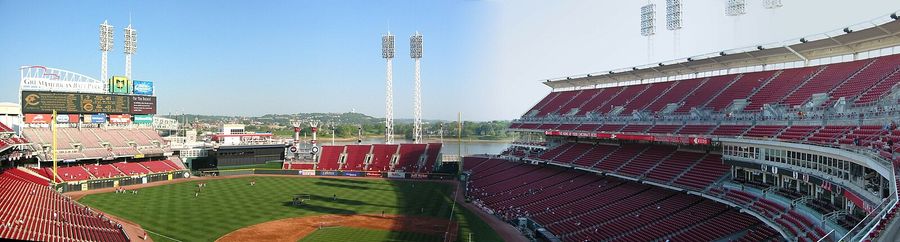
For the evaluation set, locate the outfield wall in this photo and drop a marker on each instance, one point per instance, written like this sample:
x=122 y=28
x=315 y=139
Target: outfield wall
x=119 y=181
x=311 y=173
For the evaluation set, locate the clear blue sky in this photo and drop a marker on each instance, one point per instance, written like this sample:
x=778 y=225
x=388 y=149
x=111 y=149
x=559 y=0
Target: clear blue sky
x=485 y=59
x=256 y=57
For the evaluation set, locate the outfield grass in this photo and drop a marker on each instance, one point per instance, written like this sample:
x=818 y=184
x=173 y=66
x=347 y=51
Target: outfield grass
x=229 y=204
x=343 y=234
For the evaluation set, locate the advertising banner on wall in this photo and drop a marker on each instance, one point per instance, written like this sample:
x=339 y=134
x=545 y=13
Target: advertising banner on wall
x=67 y=118
x=143 y=105
x=396 y=175
x=354 y=173
x=120 y=85
x=120 y=118
x=142 y=87
x=143 y=119
x=328 y=173
x=98 y=118
x=373 y=174
x=307 y=172
x=37 y=118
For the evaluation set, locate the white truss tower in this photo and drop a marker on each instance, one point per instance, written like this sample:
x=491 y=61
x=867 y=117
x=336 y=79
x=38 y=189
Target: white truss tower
x=106 y=44
x=130 y=48
x=415 y=52
x=387 y=52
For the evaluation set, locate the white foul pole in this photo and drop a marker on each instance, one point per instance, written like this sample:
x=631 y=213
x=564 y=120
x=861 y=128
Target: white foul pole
x=387 y=52
x=415 y=52
x=106 y=44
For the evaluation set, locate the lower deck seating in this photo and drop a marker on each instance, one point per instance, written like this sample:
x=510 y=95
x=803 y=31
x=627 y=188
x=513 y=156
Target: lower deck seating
x=579 y=206
x=31 y=211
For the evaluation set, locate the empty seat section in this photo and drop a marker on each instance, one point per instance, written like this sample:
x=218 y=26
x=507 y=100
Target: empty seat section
x=626 y=95
x=595 y=154
x=729 y=130
x=157 y=166
x=764 y=131
x=823 y=82
x=663 y=129
x=434 y=150
x=103 y=171
x=797 y=132
x=676 y=164
x=131 y=168
x=740 y=89
x=579 y=99
x=567 y=126
x=572 y=153
x=587 y=127
x=409 y=157
x=696 y=129
x=866 y=79
x=602 y=97
x=646 y=160
x=537 y=107
x=356 y=157
x=704 y=93
x=620 y=156
x=557 y=103
x=674 y=95
x=775 y=90
x=645 y=98
x=611 y=127
x=704 y=173
x=635 y=128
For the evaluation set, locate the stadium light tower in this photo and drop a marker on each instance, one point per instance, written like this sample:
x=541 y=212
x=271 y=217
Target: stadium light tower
x=130 y=48
x=106 y=44
x=387 y=52
x=772 y=4
x=735 y=8
x=415 y=52
x=673 y=22
x=648 y=26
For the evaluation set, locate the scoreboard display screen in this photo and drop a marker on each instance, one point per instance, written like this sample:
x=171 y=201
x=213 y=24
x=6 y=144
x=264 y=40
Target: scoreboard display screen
x=46 y=102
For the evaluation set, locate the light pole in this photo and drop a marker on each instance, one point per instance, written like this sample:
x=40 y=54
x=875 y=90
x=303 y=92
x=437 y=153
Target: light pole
x=415 y=52
x=106 y=44
x=130 y=48
x=387 y=52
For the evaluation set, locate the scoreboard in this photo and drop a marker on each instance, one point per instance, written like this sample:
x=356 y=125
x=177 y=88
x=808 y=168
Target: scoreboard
x=62 y=102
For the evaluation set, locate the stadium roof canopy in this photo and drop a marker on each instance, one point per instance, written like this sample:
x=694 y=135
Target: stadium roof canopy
x=879 y=33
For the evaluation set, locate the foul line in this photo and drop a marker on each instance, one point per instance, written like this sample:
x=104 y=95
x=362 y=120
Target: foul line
x=167 y=237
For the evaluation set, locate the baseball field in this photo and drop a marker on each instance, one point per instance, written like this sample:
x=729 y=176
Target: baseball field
x=330 y=209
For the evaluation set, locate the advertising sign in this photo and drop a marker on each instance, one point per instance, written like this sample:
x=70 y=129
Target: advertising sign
x=37 y=118
x=119 y=84
x=396 y=175
x=120 y=118
x=307 y=172
x=418 y=176
x=373 y=174
x=86 y=118
x=67 y=118
x=142 y=87
x=47 y=102
x=328 y=173
x=98 y=118
x=143 y=105
x=143 y=119
x=354 y=173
